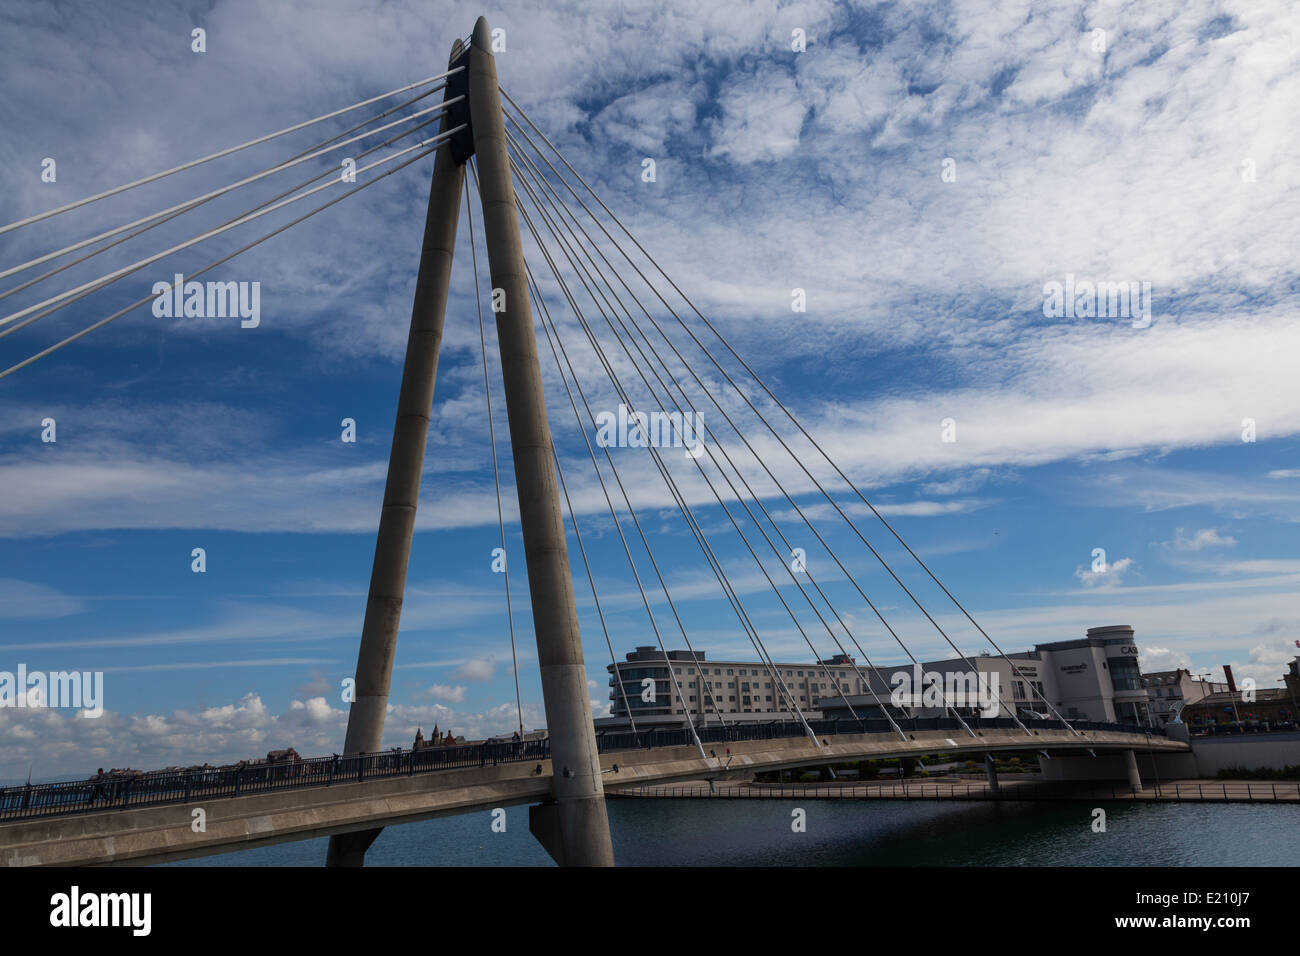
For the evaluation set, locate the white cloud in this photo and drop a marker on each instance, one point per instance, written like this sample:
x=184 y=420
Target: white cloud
x=761 y=118
x=59 y=745
x=445 y=692
x=24 y=599
x=1107 y=577
x=1155 y=658
x=958 y=484
x=476 y=669
x=1202 y=539
x=893 y=258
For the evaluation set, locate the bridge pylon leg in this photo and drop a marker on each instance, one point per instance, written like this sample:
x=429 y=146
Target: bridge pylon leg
x=402 y=489
x=991 y=773
x=1131 y=765
x=575 y=828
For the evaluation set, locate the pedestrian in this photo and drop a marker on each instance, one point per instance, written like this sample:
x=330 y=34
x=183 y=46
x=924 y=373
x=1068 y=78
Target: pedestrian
x=98 y=792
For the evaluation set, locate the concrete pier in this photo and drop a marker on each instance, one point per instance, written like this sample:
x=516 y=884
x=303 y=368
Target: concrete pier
x=402 y=488
x=1131 y=765
x=991 y=773
x=574 y=828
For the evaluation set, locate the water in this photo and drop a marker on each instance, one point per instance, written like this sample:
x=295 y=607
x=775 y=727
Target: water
x=849 y=833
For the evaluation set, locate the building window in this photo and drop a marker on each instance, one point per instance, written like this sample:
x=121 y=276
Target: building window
x=1124 y=674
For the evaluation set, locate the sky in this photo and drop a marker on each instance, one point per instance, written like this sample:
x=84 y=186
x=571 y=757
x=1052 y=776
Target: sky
x=920 y=174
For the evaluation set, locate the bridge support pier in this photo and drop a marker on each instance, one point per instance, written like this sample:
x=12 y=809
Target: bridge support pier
x=577 y=826
x=991 y=774
x=349 y=849
x=402 y=488
x=1131 y=764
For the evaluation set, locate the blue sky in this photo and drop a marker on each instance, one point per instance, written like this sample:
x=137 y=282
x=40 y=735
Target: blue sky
x=1161 y=150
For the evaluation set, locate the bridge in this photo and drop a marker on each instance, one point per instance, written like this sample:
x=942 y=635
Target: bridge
x=151 y=819
x=657 y=352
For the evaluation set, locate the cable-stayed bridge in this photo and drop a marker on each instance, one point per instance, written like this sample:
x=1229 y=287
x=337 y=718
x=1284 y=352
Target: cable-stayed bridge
x=614 y=325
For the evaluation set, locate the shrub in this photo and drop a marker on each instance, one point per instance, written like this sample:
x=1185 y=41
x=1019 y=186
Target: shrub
x=1260 y=773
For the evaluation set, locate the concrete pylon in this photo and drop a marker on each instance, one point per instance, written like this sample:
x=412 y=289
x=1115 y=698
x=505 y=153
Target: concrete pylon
x=1131 y=764
x=991 y=774
x=574 y=829
x=402 y=489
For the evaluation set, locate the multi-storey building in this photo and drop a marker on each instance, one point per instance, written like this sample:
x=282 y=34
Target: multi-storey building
x=1094 y=678
x=1168 y=692
x=658 y=691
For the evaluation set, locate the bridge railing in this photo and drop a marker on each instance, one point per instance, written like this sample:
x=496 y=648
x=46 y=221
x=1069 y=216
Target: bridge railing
x=772 y=730
x=1182 y=791
x=120 y=792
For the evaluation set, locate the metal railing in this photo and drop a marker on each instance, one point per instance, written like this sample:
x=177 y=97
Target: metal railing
x=1182 y=792
x=681 y=737
x=120 y=792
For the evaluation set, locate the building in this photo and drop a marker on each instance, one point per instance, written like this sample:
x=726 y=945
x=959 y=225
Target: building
x=1273 y=705
x=435 y=740
x=1097 y=677
x=528 y=737
x=1168 y=692
x=1093 y=678
x=657 y=690
x=1247 y=707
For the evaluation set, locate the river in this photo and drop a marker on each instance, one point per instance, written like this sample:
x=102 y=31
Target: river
x=715 y=832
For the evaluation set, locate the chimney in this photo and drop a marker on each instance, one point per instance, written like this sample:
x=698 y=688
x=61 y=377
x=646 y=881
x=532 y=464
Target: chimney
x=1227 y=672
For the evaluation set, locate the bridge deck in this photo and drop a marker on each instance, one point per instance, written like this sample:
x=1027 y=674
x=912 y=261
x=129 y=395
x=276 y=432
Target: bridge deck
x=157 y=834
x=1176 y=791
